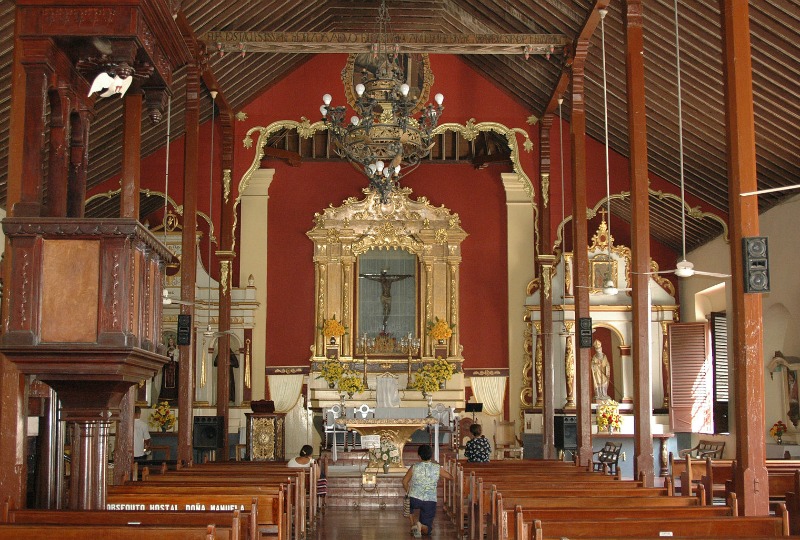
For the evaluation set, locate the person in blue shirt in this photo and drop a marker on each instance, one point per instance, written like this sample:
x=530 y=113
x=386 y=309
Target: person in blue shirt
x=478 y=449
x=420 y=483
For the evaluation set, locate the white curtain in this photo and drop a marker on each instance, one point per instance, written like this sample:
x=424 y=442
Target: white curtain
x=285 y=391
x=491 y=391
x=388 y=396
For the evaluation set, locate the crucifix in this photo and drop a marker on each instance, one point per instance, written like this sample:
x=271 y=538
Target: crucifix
x=386 y=279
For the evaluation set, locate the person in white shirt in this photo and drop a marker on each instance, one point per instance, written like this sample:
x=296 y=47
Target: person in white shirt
x=141 y=436
x=304 y=460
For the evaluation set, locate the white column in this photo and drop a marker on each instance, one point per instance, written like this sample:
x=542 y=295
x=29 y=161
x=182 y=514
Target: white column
x=253 y=261
x=520 y=256
x=626 y=363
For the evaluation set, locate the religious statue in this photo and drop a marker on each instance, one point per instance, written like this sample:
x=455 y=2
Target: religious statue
x=386 y=279
x=169 y=373
x=601 y=372
x=233 y=362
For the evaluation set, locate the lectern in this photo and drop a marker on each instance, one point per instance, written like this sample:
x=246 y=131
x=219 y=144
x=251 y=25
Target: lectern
x=265 y=436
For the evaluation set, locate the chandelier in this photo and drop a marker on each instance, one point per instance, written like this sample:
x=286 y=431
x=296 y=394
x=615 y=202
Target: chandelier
x=384 y=137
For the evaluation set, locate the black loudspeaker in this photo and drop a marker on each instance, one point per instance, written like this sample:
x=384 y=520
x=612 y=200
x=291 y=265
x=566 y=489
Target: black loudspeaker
x=585 y=332
x=184 y=329
x=566 y=432
x=755 y=264
x=208 y=432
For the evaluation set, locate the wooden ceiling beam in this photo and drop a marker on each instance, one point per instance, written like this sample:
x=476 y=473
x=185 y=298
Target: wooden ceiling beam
x=345 y=42
x=588 y=28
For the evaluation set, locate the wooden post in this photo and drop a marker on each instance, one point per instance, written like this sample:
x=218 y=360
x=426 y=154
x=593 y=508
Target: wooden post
x=580 y=243
x=131 y=155
x=545 y=400
x=751 y=475
x=640 y=242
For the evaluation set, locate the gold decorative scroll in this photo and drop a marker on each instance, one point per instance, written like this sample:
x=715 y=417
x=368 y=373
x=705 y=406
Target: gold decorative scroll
x=224 y=271
x=247 y=363
x=545 y=189
x=539 y=365
x=665 y=362
x=569 y=366
x=226 y=184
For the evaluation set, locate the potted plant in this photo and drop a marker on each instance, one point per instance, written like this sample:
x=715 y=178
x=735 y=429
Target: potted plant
x=777 y=430
x=333 y=329
x=440 y=330
x=351 y=383
x=441 y=370
x=162 y=417
x=608 y=417
x=331 y=371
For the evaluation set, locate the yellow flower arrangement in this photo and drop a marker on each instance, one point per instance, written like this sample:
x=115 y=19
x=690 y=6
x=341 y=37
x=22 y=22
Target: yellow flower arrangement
x=441 y=369
x=351 y=382
x=331 y=371
x=608 y=415
x=425 y=382
x=778 y=429
x=439 y=329
x=162 y=417
x=333 y=328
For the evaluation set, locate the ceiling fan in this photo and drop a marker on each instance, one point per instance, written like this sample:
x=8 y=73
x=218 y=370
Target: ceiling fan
x=769 y=190
x=684 y=268
x=167 y=300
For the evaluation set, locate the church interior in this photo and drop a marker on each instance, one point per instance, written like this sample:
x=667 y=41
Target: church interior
x=365 y=225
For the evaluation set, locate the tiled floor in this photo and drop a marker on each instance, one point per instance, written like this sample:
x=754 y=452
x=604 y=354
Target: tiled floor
x=375 y=524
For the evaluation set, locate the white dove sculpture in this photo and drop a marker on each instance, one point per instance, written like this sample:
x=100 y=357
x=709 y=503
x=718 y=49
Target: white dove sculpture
x=115 y=85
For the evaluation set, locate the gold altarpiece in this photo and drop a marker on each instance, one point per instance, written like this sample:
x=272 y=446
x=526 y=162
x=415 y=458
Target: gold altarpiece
x=433 y=235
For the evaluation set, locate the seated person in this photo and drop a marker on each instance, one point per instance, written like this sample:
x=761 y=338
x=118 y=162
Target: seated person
x=477 y=448
x=304 y=460
x=141 y=437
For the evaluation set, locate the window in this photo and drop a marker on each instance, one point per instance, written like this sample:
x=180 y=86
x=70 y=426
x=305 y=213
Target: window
x=691 y=378
x=719 y=354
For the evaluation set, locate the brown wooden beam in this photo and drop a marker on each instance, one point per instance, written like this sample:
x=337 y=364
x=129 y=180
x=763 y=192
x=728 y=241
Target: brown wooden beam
x=640 y=242
x=236 y=41
x=588 y=28
x=545 y=400
x=580 y=245
x=748 y=380
x=189 y=245
x=131 y=156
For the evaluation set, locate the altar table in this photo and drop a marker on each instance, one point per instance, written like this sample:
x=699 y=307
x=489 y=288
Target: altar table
x=396 y=430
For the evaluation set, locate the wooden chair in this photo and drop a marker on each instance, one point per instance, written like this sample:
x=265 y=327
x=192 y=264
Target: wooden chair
x=462 y=431
x=705 y=449
x=506 y=441
x=608 y=456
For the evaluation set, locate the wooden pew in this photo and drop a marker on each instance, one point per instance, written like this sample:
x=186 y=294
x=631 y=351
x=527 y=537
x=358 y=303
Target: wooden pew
x=520 y=518
x=116 y=532
x=221 y=520
x=706 y=527
x=267 y=509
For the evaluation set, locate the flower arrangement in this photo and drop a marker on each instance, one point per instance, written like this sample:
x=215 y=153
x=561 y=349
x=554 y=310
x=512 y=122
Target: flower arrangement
x=351 y=382
x=778 y=429
x=333 y=328
x=162 y=417
x=425 y=382
x=441 y=369
x=387 y=454
x=608 y=415
x=331 y=371
x=439 y=329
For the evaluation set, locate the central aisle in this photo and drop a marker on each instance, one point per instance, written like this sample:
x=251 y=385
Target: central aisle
x=339 y=523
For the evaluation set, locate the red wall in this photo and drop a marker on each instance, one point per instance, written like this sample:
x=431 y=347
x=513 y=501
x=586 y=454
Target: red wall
x=296 y=194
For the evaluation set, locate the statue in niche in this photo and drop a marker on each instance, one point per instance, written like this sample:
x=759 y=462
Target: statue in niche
x=233 y=362
x=386 y=279
x=169 y=373
x=601 y=372
x=790 y=363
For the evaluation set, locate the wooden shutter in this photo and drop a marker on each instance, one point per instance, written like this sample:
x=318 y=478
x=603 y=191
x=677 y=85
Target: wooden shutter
x=719 y=355
x=691 y=378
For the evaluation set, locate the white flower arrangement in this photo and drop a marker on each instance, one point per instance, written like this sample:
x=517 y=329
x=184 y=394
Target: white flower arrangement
x=388 y=453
